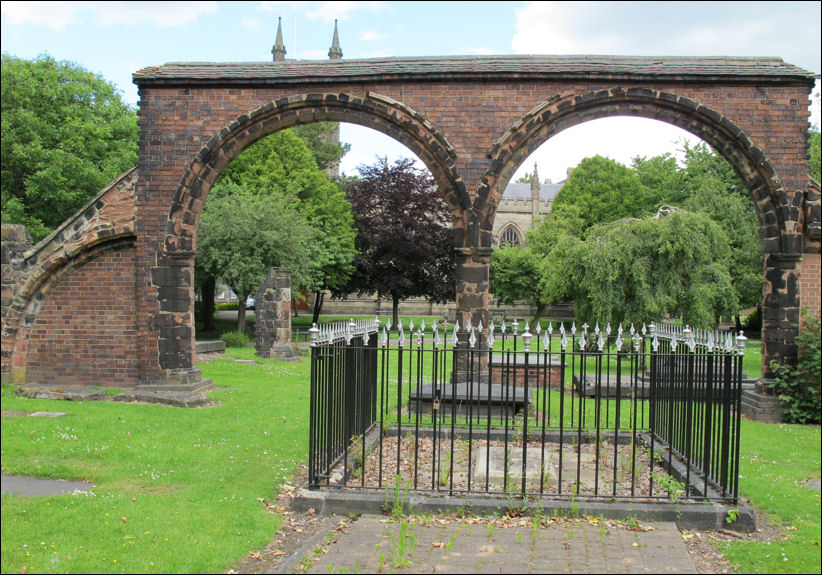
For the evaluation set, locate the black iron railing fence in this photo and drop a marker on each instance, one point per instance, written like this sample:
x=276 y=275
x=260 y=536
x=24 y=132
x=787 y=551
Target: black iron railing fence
x=649 y=413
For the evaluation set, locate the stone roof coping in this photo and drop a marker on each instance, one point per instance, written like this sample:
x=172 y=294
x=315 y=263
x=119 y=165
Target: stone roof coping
x=464 y=67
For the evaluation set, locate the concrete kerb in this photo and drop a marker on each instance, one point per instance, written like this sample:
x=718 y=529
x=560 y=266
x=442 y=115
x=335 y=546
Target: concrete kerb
x=686 y=515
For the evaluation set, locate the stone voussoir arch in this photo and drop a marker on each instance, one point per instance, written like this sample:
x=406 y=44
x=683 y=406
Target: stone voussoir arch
x=105 y=225
x=374 y=111
x=777 y=225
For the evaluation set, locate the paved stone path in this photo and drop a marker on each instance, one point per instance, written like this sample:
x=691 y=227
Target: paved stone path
x=373 y=545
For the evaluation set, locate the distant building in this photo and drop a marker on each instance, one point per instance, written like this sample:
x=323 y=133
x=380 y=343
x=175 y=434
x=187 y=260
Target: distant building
x=522 y=205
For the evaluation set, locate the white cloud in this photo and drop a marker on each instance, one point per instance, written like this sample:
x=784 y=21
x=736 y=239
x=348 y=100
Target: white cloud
x=54 y=15
x=59 y=15
x=329 y=11
x=252 y=24
x=372 y=36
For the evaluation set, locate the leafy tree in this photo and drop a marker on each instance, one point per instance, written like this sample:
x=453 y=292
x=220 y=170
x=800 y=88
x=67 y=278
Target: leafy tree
x=514 y=275
x=662 y=179
x=707 y=184
x=244 y=233
x=403 y=235
x=638 y=270
x=815 y=163
x=283 y=165
x=320 y=137
x=603 y=190
x=66 y=133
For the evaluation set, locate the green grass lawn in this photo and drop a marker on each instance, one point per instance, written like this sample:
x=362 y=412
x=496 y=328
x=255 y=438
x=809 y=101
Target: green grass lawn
x=776 y=460
x=180 y=490
x=177 y=490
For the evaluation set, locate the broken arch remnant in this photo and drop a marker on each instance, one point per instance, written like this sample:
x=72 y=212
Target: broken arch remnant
x=472 y=121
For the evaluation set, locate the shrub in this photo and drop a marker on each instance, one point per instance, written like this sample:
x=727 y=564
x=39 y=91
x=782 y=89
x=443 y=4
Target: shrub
x=799 y=387
x=234 y=339
x=228 y=306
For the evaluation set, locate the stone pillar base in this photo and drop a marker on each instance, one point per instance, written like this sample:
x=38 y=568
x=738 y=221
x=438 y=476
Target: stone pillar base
x=760 y=407
x=280 y=352
x=186 y=379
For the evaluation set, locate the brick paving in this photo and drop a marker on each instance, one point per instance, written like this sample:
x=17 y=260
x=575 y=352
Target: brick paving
x=374 y=544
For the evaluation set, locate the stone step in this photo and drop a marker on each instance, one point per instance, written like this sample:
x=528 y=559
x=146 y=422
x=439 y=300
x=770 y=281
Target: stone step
x=173 y=398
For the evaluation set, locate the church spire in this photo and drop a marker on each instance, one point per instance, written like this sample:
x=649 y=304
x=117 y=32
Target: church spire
x=279 y=48
x=535 y=182
x=335 y=53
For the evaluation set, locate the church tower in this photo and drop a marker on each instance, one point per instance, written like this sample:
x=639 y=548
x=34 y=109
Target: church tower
x=278 y=51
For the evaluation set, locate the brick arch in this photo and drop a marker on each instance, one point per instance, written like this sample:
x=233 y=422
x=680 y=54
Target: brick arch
x=374 y=111
x=559 y=113
x=39 y=287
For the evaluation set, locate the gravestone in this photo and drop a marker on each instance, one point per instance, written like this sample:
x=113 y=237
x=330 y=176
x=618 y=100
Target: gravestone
x=272 y=324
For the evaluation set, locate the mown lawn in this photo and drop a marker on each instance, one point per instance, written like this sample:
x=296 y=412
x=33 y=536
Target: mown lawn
x=177 y=490
x=183 y=490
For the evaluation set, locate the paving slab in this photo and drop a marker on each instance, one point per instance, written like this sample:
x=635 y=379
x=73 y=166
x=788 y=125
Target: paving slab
x=33 y=487
x=374 y=544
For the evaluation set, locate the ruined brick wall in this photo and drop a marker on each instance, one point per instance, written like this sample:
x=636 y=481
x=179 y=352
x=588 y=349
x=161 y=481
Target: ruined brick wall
x=57 y=268
x=86 y=330
x=471 y=133
x=487 y=128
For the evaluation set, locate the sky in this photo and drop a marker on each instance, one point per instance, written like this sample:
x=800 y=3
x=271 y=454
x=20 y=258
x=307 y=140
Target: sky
x=116 y=39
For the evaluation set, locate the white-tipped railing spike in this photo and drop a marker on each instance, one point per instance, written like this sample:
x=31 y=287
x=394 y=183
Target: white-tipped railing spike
x=654 y=344
x=388 y=324
x=546 y=341
x=600 y=341
x=437 y=340
x=608 y=329
x=491 y=327
x=526 y=338
x=596 y=329
x=468 y=326
x=619 y=329
x=479 y=328
x=411 y=326
x=618 y=343
x=632 y=331
x=539 y=329
x=574 y=328
x=562 y=328
x=692 y=342
x=422 y=325
x=564 y=342
x=503 y=327
x=740 y=343
x=550 y=328
x=456 y=333
x=384 y=340
x=402 y=335
x=490 y=340
x=472 y=340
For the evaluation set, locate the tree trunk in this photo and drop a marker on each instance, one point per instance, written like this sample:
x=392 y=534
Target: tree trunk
x=318 y=306
x=208 y=307
x=537 y=315
x=241 y=313
x=395 y=312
